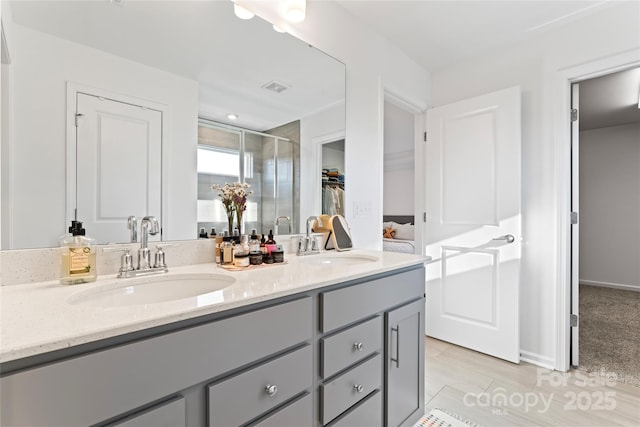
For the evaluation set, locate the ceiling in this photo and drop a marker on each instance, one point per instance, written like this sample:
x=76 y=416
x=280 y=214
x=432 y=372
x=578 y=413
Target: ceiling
x=231 y=59
x=610 y=100
x=437 y=34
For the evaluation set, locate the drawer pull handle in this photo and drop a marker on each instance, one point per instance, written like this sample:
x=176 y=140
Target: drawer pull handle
x=271 y=390
x=358 y=388
x=358 y=346
x=397 y=341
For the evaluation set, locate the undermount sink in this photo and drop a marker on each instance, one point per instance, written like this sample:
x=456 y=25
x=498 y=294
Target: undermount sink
x=151 y=290
x=338 y=259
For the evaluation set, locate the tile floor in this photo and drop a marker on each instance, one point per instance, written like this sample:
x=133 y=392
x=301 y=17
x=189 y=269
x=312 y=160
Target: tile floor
x=493 y=393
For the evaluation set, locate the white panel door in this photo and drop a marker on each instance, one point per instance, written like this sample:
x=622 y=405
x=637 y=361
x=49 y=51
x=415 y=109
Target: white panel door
x=118 y=166
x=472 y=231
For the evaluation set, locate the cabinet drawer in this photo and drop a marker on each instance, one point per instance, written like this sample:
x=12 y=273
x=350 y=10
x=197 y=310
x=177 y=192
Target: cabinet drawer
x=347 y=347
x=243 y=397
x=349 y=388
x=297 y=414
x=367 y=413
x=347 y=305
x=167 y=414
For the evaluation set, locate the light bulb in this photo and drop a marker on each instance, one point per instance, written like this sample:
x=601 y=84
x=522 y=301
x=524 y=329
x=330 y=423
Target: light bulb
x=241 y=12
x=296 y=10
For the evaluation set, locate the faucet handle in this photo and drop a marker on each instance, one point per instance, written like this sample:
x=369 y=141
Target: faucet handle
x=126 y=260
x=160 y=261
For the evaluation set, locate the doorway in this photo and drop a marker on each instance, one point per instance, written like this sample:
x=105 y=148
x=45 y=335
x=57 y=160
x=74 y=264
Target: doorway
x=403 y=132
x=605 y=194
x=333 y=178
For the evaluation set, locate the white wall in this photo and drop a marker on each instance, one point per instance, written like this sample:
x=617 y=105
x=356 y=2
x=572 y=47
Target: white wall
x=42 y=65
x=610 y=206
x=372 y=65
x=333 y=156
x=532 y=67
x=399 y=152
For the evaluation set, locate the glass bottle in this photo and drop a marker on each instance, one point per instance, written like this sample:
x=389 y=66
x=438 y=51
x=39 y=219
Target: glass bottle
x=270 y=244
x=226 y=251
x=254 y=243
x=78 y=256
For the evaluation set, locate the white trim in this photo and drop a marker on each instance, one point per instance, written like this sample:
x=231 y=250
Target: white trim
x=400 y=102
x=7 y=158
x=420 y=179
x=634 y=288
x=70 y=176
x=537 y=359
x=559 y=81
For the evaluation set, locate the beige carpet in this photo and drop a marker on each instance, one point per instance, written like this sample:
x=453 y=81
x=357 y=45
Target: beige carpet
x=610 y=333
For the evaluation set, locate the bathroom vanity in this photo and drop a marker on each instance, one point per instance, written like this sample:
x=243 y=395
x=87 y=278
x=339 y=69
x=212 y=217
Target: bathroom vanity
x=334 y=340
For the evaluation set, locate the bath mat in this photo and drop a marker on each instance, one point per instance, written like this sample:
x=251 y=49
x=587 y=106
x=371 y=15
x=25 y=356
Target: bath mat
x=440 y=418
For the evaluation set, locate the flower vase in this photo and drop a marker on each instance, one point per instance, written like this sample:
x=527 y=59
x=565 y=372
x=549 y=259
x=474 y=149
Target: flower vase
x=239 y=221
x=230 y=220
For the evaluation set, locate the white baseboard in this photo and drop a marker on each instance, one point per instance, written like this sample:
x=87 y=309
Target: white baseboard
x=610 y=285
x=537 y=359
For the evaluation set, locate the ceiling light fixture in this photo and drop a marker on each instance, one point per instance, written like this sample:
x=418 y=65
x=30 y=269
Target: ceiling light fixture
x=241 y=12
x=232 y=116
x=278 y=29
x=296 y=10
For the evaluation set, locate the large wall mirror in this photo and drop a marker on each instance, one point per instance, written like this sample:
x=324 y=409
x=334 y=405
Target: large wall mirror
x=150 y=86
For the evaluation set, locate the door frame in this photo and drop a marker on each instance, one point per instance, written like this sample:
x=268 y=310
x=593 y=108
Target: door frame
x=560 y=82
x=72 y=91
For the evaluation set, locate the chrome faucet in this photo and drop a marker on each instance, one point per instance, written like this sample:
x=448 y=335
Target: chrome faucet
x=132 y=225
x=148 y=225
x=308 y=245
x=277 y=223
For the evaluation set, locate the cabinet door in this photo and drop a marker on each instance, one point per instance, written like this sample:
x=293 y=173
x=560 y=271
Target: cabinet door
x=405 y=364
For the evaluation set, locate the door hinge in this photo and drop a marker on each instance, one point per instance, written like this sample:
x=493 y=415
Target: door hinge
x=424 y=217
x=574 y=218
x=425 y=136
x=573 y=320
x=574 y=114
x=78 y=115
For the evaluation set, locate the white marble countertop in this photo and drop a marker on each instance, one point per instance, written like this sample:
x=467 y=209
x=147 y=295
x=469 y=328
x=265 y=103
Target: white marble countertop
x=40 y=317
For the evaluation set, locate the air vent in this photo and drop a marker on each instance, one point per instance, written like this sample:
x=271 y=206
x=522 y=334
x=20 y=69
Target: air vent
x=275 y=86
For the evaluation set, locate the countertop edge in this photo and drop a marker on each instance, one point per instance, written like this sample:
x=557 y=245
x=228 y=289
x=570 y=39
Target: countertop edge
x=16 y=352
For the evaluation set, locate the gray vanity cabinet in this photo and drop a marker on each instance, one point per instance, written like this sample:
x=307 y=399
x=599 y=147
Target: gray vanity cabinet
x=346 y=355
x=378 y=366
x=110 y=385
x=405 y=367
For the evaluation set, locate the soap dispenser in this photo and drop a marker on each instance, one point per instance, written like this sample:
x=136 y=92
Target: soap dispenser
x=78 y=256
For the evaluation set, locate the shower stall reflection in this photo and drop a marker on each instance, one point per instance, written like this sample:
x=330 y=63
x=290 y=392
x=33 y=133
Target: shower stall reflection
x=268 y=161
